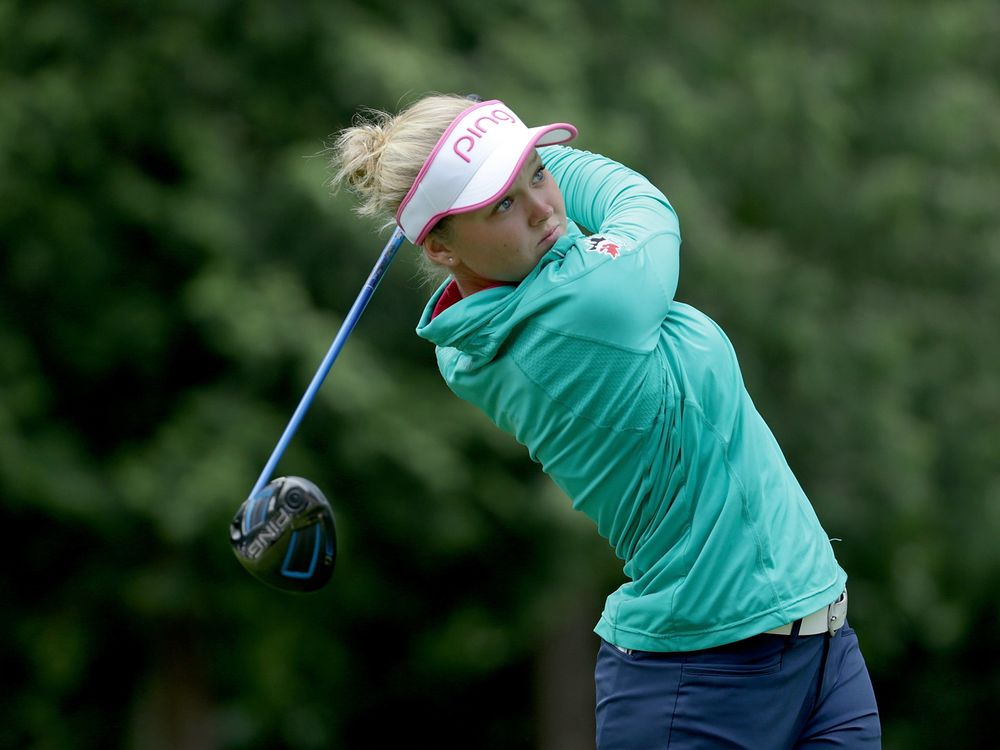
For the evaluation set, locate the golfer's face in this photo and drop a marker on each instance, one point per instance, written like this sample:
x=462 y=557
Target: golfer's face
x=503 y=241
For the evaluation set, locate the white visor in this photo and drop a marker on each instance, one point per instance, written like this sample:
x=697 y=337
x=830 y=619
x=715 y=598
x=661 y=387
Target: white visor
x=473 y=164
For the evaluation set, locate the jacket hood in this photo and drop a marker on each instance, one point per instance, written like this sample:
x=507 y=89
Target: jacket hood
x=478 y=325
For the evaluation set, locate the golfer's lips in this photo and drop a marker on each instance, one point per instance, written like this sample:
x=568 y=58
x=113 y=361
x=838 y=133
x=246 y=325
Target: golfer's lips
x=550 y=237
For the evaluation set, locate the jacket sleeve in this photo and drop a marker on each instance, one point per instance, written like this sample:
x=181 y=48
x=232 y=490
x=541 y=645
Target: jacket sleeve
x=608 y=197
x=622 y=277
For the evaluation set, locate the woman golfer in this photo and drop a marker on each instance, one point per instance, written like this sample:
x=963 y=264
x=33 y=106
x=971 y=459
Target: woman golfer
x=558 y=320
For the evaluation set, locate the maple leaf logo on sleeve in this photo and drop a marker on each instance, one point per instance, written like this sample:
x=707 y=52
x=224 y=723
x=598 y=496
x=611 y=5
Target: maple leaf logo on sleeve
x=604 y=246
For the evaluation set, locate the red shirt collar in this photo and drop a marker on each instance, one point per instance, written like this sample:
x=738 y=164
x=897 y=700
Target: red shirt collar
x=451 y=295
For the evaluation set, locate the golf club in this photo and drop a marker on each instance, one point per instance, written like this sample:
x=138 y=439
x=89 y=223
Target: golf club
x=284 y=532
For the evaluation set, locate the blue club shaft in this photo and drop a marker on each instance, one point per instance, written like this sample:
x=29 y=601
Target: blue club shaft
x=381 y=266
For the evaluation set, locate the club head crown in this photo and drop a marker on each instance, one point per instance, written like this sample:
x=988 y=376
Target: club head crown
x=285 y=535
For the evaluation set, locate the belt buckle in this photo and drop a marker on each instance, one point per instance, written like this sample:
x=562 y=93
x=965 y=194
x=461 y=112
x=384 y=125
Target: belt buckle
x=836 y=614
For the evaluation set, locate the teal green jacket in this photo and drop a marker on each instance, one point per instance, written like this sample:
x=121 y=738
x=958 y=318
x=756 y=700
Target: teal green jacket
x=633 y=403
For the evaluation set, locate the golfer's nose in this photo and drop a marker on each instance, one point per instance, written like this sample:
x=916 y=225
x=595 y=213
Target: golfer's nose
x=540 y=212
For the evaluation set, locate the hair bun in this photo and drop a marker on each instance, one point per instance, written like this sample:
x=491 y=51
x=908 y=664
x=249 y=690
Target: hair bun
x=359 y=152
x=380 y=155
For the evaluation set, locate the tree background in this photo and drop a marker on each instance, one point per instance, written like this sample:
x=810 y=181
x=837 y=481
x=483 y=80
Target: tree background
x=173 y=267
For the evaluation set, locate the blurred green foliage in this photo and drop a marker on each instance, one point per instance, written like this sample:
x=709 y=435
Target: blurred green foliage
x=172 y=269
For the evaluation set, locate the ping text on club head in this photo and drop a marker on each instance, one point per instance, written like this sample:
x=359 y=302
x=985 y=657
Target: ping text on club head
x=268 y=533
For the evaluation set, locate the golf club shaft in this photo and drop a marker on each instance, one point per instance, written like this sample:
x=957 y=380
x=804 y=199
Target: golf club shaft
x=381 y=266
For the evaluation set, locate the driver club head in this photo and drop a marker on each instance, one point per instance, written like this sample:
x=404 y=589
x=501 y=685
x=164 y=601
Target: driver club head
x=285 y=535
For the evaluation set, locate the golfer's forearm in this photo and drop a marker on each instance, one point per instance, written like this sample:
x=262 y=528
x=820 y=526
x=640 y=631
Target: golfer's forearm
x=609 y=198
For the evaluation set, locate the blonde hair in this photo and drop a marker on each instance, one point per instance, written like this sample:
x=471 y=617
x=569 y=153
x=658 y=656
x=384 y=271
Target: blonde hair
x=378 y=158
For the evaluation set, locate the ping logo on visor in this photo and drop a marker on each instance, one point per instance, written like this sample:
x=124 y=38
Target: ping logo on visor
x=464 y=144
x=474 y=163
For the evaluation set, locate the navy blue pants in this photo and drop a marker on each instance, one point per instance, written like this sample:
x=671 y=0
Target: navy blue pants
x=770 y=692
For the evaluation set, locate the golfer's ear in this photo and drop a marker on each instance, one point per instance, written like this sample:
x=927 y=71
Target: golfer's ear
x=438 y=252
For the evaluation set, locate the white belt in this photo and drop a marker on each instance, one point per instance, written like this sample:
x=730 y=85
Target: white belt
x=827 y=620
x=830 y=619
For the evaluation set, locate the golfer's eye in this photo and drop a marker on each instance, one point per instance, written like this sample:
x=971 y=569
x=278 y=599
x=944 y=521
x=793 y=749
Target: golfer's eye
x=504 y=205
x=539 y=175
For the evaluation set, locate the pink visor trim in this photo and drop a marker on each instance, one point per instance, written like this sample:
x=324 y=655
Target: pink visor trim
x=474 y=163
